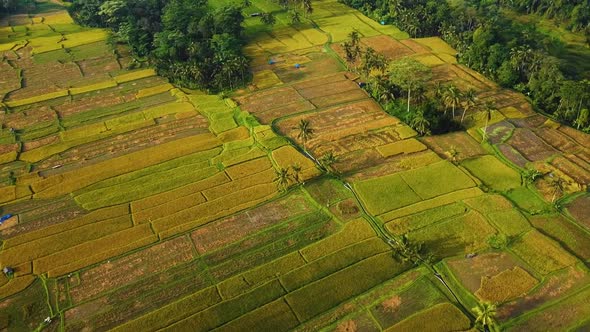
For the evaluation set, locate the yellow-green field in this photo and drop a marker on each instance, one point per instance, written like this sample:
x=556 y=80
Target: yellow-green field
x=136 y=205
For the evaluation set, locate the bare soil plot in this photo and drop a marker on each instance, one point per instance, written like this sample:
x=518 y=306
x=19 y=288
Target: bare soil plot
x=552 y=288
x=388 y=46
x=320 y=64
x=557 y=140
x=339 y=122
x=122 y=144
x=37 y=214
x=128 y=269
x=150 y=292
x=530 y=145
x=416 y=47
x=580 y=209
x=578 y=173
x=580 y=137
x=470 y=271
x=513 y=155
x=225 y=232
x=533 y=121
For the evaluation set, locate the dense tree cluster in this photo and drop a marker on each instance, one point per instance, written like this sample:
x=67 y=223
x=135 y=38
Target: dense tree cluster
x=513 y=54
x=400 y=87
x=574 y=13
x=188 y=42
x=13 y=6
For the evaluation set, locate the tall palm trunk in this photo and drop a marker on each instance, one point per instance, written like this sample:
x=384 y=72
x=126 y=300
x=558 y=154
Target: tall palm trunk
x=409 y=100
x=485 y=130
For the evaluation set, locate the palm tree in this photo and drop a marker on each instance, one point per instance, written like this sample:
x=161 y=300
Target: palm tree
x=529 y=176
x=439 y=89
x=469 y=99
x=558 y=185
x=409 y=74
x=327 y=161
x=307 y=7
x=420 y=123
x=582 y=118
x=407 y=250
x=488 y=109
x=268 y=19
x=452 y=153
x=381 y=88
x=296 y=168
x=485 y=316
x=295 y=17
x=305 y=131
x=282 y=179
x=452 y=97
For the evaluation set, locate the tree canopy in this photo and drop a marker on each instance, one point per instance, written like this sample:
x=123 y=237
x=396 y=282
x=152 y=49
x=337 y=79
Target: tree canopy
x=187 y=41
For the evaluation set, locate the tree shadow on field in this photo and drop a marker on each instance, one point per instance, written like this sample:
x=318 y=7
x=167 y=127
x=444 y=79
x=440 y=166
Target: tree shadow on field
x=445 y=247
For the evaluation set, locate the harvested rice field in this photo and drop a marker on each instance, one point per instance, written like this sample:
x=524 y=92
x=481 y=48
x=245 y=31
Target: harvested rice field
x=130 y=204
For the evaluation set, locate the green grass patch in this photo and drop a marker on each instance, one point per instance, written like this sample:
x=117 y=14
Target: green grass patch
x=226 y=311
x=148 y=181
x=425 y=218
x=441 y=317
x=493 y=173
x=420 y=295
x=332 y=263
x=527 y=200
x=510 y=222
x=168 y=314
x=436 y=179
x=26 y=310
x=239 y=284
x=460 y=235
x=326 y=293
x=432 y=203
x=570 y=235
x=386 y=193
x=275 y=316
x=489 y=203
x=353 y=232
x=544 y=255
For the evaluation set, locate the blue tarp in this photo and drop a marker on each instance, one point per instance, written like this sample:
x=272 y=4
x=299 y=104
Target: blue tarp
x=5 y=217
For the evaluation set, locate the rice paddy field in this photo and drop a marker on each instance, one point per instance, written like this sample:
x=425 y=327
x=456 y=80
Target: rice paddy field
x=130 y=204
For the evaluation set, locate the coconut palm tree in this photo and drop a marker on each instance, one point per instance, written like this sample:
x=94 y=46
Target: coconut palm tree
x=485 y=314
x=327 y=161
x=452 y=97
x=420 y=123
x=529 y=176
x=305 y=132
x=558 y=185
x=407 y=250
x=439 y=89
x=296 y=168
x=307 y=7
x=469 y=99
x=282 y=179
x=488 y=110
x=409 y=74
x=582 y=118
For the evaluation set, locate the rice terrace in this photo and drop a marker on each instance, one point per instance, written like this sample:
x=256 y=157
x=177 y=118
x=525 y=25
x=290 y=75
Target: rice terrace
x=305 y=165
